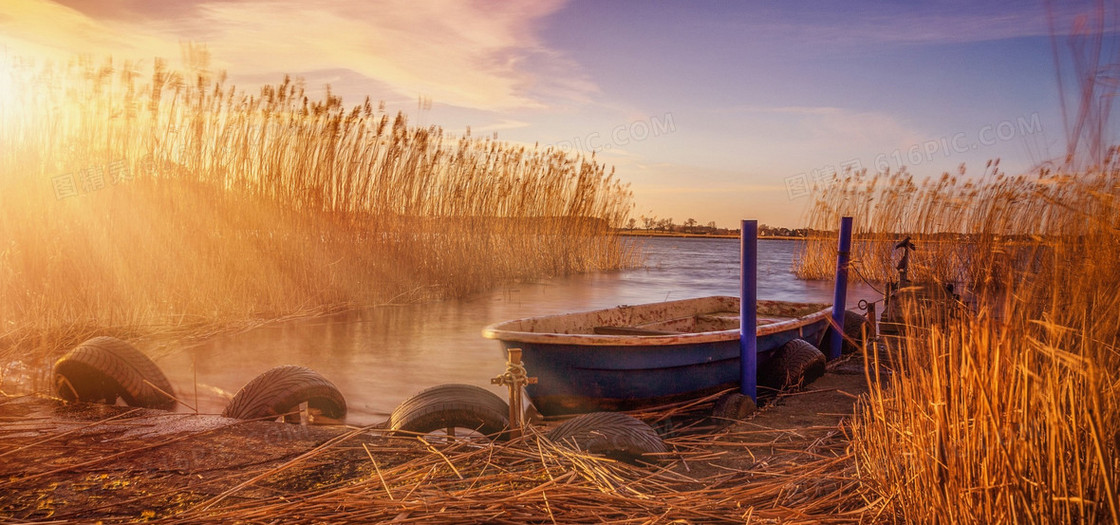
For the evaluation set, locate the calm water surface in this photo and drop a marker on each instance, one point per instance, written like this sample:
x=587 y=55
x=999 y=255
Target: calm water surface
x=378 y=357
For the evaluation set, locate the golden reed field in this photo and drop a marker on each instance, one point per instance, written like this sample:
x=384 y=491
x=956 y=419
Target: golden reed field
x=1007 y=411
x=140 y=199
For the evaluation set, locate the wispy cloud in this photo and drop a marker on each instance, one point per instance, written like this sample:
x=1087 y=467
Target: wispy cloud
x=801 y=138
x=713 y=190
x=467 y=54
x=884 y=22
x=859 y=131
x=790 y=110
x=504 y=124
x=42 y=28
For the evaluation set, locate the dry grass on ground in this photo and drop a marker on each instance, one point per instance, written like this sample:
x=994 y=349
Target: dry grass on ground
x=788 y=463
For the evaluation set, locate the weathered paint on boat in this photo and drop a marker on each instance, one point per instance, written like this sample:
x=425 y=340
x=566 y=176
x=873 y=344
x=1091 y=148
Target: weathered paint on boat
x=692 y=349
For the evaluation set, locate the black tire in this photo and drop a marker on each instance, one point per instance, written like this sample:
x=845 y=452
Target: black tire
x=853 y=334
x=103 y=369
x=732 y=407
x=279 y=391
x=453 y=406
x=795 y=363
x=611 y=434
x=854 y=324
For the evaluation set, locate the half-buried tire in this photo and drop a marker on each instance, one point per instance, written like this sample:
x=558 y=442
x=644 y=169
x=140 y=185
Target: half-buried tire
x=453 y=406
x=853 y=334
x=795 y=363
x=611 y=434
x=103 y=369
x=280 y=391
x=732 y=407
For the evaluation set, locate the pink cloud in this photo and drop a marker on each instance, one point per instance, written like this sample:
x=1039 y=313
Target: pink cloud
x=479 y=55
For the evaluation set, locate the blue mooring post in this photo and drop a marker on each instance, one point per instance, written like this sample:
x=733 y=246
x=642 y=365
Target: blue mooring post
x=841 y=292
x=748 y=314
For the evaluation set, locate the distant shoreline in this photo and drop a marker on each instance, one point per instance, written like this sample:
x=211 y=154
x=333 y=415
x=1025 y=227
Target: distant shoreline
x=634 y=233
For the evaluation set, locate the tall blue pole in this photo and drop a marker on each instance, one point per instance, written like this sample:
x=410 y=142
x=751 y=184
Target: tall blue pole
x=748 y=314
x=841 y=292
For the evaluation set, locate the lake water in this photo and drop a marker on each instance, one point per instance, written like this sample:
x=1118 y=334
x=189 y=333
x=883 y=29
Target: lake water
x=380 y=356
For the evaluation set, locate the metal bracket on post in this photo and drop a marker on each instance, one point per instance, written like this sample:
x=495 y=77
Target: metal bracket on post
x=515 y=377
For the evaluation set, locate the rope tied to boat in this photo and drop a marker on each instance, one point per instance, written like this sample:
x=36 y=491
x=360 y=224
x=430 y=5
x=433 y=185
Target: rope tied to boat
x=515 y=375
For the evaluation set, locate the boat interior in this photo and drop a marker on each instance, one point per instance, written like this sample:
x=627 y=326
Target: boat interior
x=686 y=316
x=712 y=322
x=769 y=312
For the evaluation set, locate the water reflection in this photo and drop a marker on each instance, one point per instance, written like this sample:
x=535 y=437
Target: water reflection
x=378 y=357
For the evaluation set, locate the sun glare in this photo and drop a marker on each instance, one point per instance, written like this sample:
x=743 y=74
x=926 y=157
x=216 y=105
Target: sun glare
x=7 y=83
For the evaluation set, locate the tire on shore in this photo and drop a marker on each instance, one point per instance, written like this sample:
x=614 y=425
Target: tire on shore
x=732 y=407
x=853 y=334
x=279 y=392
x=103 y=369
x=796 y=363
x=453 y=406
x=612 y=434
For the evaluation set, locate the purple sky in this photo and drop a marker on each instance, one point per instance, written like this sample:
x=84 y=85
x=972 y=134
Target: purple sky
x=714 y=111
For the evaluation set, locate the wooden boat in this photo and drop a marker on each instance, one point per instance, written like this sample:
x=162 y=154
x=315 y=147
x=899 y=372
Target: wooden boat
x=633 y=356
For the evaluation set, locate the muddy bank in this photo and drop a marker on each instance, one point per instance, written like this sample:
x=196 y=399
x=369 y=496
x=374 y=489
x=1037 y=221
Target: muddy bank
x=93 y=462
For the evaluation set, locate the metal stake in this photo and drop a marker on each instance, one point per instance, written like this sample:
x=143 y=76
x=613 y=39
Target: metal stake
x=748 y=311
x=841 y=291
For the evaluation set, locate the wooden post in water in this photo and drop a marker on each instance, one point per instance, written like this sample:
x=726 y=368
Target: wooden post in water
x=748 y=310
x=841 y=292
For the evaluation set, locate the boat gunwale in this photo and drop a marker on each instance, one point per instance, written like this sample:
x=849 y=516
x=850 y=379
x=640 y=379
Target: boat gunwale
x=494 y=331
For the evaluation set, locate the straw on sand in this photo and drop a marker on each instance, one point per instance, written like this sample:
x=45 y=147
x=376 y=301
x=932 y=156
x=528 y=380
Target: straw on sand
x=361 y=475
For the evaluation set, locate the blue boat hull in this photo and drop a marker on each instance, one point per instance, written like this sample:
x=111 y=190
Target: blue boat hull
x=577 y=376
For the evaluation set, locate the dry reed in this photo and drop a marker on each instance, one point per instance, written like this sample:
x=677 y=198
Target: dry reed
x=1007 y=412
x=139 y=199
x=957 y=221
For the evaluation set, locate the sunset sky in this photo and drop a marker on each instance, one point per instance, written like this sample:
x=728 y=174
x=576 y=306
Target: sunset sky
x=714 y=111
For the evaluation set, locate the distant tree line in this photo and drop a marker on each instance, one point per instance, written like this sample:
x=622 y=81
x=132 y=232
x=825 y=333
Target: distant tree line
x=691 y=226
x=778 y=231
